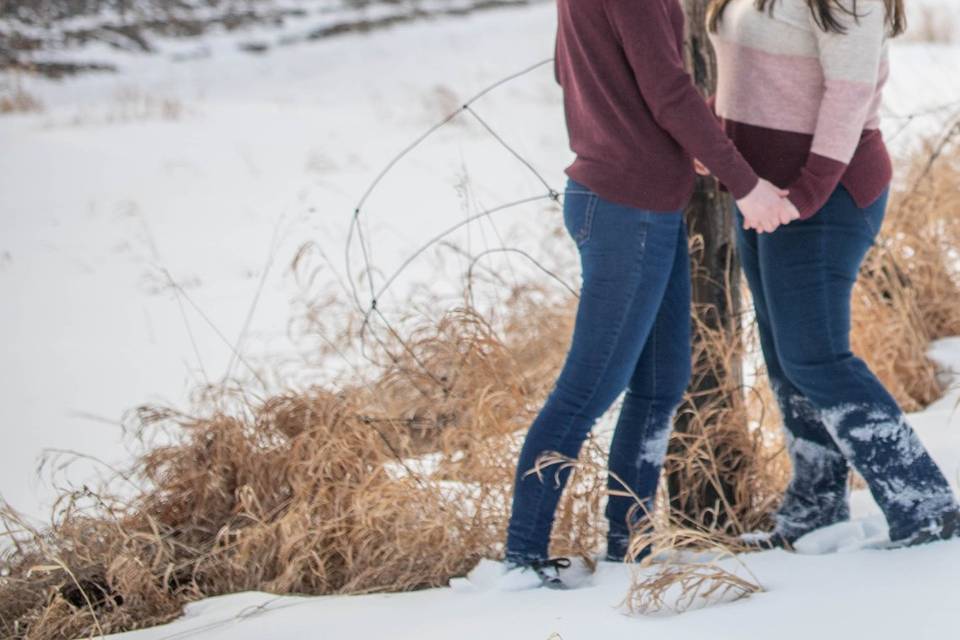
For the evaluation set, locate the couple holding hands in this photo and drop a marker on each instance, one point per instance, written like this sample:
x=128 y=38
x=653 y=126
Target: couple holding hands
x=793 y=134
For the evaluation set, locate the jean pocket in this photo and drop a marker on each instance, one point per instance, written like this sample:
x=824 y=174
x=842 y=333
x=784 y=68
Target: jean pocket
x=579 y=207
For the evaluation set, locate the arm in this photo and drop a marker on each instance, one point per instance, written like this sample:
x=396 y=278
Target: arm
x=649 y=42
x=851 y=66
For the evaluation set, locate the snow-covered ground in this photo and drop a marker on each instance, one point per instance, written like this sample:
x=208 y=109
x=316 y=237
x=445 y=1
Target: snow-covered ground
x=215 y=168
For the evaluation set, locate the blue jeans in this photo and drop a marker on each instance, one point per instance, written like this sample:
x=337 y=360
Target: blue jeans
x=632 y=333
x=835 y=411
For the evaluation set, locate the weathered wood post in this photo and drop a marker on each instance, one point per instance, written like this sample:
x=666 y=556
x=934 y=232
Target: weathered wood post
x=717 y=306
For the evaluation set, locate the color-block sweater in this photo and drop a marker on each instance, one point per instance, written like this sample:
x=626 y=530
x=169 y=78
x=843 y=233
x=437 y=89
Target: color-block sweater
x=802 y=104
x=633 y=114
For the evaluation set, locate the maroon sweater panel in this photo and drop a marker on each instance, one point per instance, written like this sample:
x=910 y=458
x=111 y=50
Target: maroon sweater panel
x=634 y=117
x=784 y=158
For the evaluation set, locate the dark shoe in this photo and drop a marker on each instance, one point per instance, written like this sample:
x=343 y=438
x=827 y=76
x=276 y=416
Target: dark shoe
x=548 y=571
x=946 y=528
x=800 y=515
x=768 y=540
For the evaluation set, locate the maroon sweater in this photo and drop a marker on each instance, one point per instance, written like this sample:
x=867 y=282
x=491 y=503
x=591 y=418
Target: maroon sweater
x=633 y=114
x=784 y=158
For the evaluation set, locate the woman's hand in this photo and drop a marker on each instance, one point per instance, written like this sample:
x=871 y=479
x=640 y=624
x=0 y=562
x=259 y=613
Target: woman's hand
x=700 y=169
x=791 y=211
x=766 y=208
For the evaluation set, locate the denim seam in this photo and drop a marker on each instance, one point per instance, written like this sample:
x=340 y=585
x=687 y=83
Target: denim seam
x=828 y=325
x=648 y=418
x=651 y=412
x=586 y=229
x=638 y=269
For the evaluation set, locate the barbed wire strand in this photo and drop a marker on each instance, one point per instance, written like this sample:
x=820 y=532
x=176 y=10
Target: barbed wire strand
x=371 y=309
x=354 y=223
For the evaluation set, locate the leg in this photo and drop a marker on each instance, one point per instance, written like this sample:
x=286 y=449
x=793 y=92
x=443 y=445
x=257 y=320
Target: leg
x=817 y=494
x=809 y=270
x=626 y=256
x=655 y=390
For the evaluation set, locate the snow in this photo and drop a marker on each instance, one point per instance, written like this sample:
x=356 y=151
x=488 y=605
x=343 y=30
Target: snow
x=213 y=166
x=850 y=595
x=839 y=584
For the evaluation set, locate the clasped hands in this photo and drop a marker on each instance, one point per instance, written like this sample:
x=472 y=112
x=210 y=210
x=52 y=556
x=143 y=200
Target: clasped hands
x=765 y=208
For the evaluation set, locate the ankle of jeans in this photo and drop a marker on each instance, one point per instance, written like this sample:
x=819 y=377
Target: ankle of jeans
x=523 y=559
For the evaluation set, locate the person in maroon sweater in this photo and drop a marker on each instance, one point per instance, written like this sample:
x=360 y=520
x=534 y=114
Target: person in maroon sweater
x=634 y=117
x=635 y=122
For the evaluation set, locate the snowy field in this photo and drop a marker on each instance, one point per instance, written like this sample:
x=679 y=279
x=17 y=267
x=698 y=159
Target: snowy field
x=209 y=167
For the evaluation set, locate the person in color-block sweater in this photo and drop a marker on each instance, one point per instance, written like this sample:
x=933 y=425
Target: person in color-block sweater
x=803 y=103
x=799 y=92
x=635 y=121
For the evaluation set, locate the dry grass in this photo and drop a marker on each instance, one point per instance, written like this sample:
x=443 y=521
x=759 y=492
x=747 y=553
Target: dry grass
x=732 y=477
x=15 y=99
x=689 y=569
x=400 y=478
x=132 y=104
x=910 y=285
x=315 y=492
x=129 y=104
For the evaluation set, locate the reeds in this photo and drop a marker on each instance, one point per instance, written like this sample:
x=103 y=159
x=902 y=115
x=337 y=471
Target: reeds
x=689 y=569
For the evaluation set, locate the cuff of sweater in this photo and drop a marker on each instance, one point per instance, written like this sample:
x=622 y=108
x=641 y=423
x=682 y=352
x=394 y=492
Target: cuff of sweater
x=818 y=180
x=712 y=103
x=739 y=180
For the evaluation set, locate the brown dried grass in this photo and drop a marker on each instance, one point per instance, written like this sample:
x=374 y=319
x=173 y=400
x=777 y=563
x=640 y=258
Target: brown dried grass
x=688 y=569
x=15 y=99
x=908 y=291
x=400 y=478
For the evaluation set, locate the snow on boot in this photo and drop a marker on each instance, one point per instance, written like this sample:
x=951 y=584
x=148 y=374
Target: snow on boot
x=534 y=573
x=946 y=527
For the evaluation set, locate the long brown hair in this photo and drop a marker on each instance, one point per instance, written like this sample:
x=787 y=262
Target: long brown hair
x=824 y=12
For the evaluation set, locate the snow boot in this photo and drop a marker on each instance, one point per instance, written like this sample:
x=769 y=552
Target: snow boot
x=546 y=571
x=767 y=540
x=947 y=527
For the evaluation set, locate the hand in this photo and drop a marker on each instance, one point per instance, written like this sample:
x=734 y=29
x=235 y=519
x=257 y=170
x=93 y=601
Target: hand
x=766 y=208
x=791 y=212
x=700 y=169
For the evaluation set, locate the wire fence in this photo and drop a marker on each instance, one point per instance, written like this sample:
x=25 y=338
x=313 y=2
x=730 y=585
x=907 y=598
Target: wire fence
x=369 y=304
x=366 y=289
